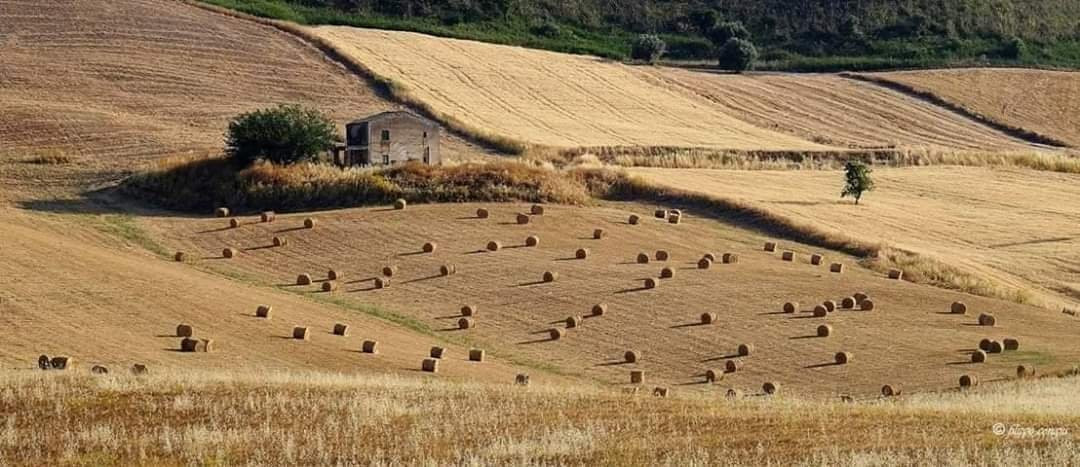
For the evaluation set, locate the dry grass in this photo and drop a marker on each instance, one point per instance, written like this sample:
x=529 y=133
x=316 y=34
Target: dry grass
x=1012 y=242
x=177 y=418
x=1041 y=102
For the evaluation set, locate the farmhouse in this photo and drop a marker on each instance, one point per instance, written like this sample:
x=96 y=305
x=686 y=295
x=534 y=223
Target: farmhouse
x=389 y=138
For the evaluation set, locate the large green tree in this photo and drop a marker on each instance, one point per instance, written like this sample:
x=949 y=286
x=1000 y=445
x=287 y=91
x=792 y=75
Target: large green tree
x=285 y=134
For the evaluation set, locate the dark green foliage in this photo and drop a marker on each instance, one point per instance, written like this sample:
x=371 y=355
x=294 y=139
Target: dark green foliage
x=648 y=48
x=285 y=134
x=856 y=180
x=737 y=55
x=724 y=32
x=1015 y=49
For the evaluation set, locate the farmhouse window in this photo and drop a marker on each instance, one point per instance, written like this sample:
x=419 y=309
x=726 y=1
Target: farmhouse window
x=386 y=159
x=386 y=135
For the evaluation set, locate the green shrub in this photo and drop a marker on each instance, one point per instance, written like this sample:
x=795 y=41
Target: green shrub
x=1014 y=49
x=737 y=55
x=648 y=48
x=286 y=134
x=726 y=31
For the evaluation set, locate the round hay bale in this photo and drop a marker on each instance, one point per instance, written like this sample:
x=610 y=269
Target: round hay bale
x=494 y=246
x=574 y=322
x=978 y=356
x=674 y=219
x=958 y=308
x=1011 y=344
x=836 y=268
x=642 y=258
x=733 y=393
x=866 y=305
x=847 y=303
x=267 y=216
x=389 y=271
x=667 y=273
x=430 y=365
x=791 y=307
x=896 y=274
x=429 y=247
x=967 y=381
x=61 y=363
x=188 y=344
x=984 y=345
x=537 y=210
x=829 y=305
x=521 y=379
x=555 y=334
x=382 y=282
x=581 y=253
x=263 y=311
x=221 y=212
x=482 y=213
x=532 y=240
x=824 y=330
x=280 y=241
x=370 y=347
x=400 y=204
x=303 y=279
x=675 y=212
x=710 y=257
x=634 y=219
x=661 y=213
x=987 y=320
x=447 y=269
x=522 y=218
x=309 y=223
x=341 y=329
x=631 y=356
x=770 y=247
x=600 y=309
x=184 y=330
x=745 y=349
x=816 y=259
x=770 y=388
x=996 y=347
x=138 y=369
x=708 y=318
x=859 y=297
x=732 y=365
x=652 y=283
x=889 y=390
x=843 y=358
x=550 y=276
x=468 y=310
x=662 y=255
x=229 y=253
x=820 y=311
x=437 y=352
x=234 y=223
x=300 y=333
x=179 y=257
x=660 y=391
x=598 y=234
x=637 y=376
x=329 y=286
x=465 y=323
x=788 y=256
x=730 y=258
x=704 y=263
x=476 y=355
x=43 y=362
x=712 y=376
x=1025 y=371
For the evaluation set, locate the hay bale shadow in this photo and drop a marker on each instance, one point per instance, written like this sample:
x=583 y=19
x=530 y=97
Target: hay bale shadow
x=636 y=289
x=220 y=229
x=822 y=365
x=532 y=283
x=414 y=253
x=264 y=247
x=290 y=229
x=812 y=336
x=421 y=279
x=688 y=325
x=357 y=281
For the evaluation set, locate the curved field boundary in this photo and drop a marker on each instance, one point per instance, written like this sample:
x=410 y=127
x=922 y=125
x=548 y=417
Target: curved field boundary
x=393 y=89
x=1017 y=132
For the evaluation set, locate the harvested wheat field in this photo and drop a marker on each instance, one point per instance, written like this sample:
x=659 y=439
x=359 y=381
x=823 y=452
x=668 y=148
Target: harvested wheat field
x=549 y=98
x=90 y=90
x=837 y=111
x=1041 y=101
x=1020 y=228
x=908 y=337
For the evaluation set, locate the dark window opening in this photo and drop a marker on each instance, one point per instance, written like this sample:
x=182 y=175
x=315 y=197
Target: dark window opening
x=386 y=159
x=427 y=155
x=386 y=135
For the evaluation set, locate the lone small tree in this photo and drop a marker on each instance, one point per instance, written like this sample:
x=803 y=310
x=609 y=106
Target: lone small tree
x=737 y=55
x=648 y=47
x=856 y=180
x=285 y=134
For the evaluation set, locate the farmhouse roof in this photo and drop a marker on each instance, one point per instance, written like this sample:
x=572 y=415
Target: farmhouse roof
x=393 y=113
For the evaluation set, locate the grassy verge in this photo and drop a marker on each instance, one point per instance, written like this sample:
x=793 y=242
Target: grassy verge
x=124 y=228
